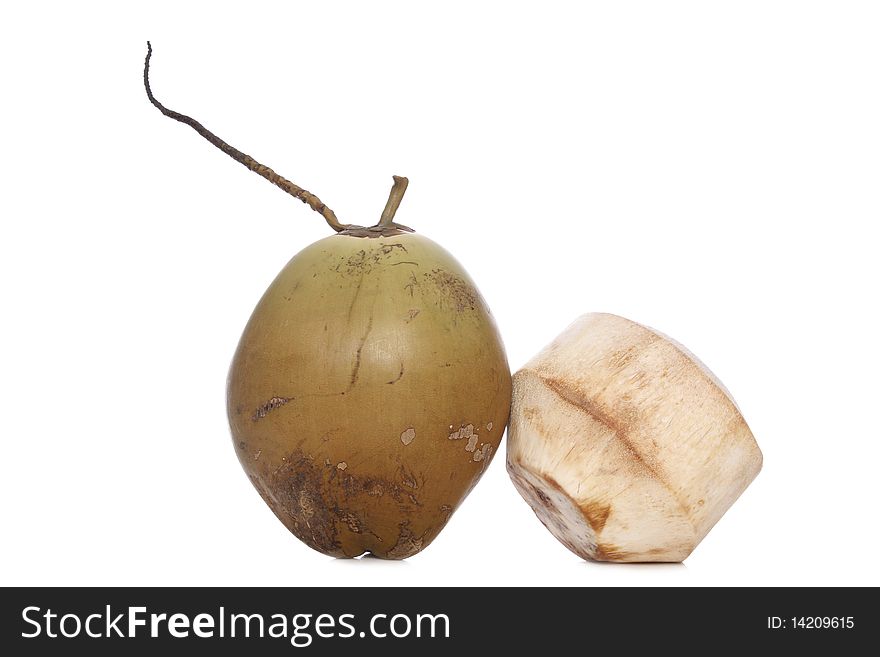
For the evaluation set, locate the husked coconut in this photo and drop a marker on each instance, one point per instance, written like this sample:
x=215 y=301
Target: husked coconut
x=625 y=445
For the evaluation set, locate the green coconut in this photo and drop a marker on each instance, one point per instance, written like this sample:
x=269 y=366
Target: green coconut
x=370 y=389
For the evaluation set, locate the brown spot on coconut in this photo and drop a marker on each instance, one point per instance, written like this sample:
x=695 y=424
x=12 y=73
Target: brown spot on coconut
x=360 y=334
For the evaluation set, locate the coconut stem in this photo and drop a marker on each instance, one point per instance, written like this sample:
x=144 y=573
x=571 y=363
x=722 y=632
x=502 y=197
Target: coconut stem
x=394 y=199
x=294 y=190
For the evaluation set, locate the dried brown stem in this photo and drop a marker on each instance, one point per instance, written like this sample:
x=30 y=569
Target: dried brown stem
x=394 y=199
x=294 y=190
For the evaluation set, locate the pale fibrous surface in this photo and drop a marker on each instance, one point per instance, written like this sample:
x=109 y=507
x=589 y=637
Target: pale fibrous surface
x=368 y=393
x=624 y=444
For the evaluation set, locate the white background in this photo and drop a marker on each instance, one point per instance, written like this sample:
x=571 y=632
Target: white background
x=709 y=169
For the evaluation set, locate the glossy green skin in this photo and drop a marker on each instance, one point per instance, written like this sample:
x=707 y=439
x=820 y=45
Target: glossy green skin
x=368 y=394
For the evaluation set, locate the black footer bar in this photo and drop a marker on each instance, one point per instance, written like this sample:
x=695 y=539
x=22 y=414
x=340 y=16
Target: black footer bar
x=432 y=620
